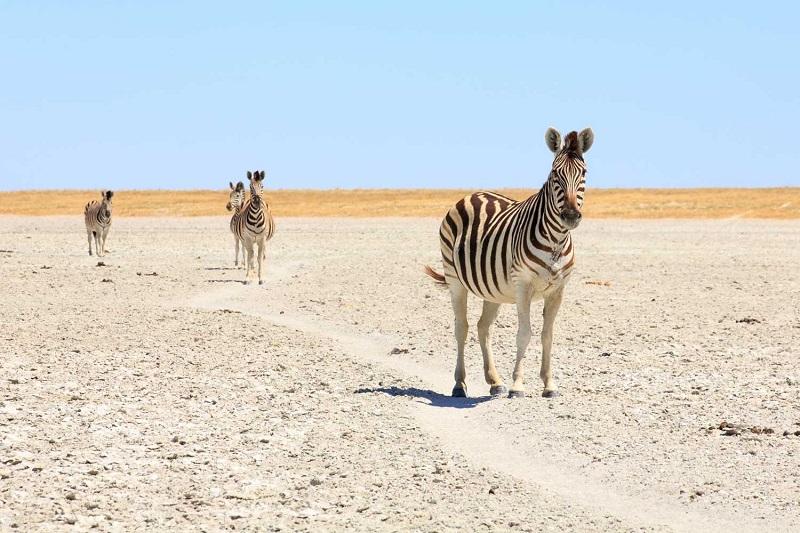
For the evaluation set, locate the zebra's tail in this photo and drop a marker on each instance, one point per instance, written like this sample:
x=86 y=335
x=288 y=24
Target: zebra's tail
x=438 y=278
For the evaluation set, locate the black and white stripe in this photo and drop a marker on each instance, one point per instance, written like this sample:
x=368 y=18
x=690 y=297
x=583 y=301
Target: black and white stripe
x=508 y=251
x=236 y=202
x=97 y=217
x=255 y=225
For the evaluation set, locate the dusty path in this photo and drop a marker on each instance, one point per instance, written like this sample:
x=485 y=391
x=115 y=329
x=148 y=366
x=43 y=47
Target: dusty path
x=462 y=428
x=171 y=396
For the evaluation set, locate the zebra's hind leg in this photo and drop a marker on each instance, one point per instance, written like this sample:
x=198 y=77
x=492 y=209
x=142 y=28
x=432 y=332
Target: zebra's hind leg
x=552 y=303
x=261 y=255
x=524 y=294
x=236 y=255
x=89 y=238
x=488 y=316
x=458 y=296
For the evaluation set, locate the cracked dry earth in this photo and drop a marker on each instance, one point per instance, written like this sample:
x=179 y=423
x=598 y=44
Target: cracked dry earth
x=159 y=393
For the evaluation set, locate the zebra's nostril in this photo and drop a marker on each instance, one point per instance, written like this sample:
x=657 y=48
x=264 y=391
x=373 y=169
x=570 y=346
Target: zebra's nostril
x=571 y=214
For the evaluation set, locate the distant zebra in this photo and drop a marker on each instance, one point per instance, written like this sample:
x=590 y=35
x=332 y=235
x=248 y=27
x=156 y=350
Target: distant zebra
x=236 y=202
x=97 y=216
x=505 y=251
x=255 y=225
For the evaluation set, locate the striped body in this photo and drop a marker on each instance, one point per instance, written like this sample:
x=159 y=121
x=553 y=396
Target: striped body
x=254 y=221
x=97 y=218
x=508 y=251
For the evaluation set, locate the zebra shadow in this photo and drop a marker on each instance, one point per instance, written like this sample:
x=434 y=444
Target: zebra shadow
x=222 y=268
x=430 y=397
x=241 y=282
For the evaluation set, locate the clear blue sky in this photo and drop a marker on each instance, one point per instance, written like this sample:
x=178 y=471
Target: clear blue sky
x=146 y=94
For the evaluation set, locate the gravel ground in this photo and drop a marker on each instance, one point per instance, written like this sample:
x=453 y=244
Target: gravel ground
x=158 y=392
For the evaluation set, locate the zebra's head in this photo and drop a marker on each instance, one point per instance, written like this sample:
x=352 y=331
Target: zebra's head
x=236 y=196
x=568 y=176
x=256 y=185
x=106 y=203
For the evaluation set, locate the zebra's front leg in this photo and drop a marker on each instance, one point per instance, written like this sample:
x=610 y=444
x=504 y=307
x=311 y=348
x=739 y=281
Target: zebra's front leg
x=97 y=248
x=552 y=303
x=261 y=255
x=488 y=316
x=524 y=293
x=458 y=296
x=249 y=263
x=104 y=237
x=236 y=255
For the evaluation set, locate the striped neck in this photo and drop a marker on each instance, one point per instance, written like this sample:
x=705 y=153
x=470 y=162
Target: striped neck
x=546 y=232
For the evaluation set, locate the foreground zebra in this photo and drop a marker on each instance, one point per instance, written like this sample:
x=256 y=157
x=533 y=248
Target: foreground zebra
x=254 y=225
x=235 y=204
x=505 y=251
x=97 y=217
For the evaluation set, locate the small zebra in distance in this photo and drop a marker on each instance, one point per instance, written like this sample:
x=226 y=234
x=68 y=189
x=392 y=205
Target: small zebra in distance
x=506 y=251
x=97 y=216
x=255 y=225
x=235 y=203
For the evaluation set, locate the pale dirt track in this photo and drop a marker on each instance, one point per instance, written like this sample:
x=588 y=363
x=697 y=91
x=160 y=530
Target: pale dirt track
x=186 y=400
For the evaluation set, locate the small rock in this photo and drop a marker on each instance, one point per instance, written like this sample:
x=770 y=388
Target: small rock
x=101 y=264
x=70 y=496
x=396 y=351
x=106 y=280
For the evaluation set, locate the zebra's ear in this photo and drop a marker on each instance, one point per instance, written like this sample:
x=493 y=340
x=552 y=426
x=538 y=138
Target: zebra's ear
x=262 y=176
x=249 y=175
x=553 y=139
x=231 y=185
x=586 y=138
x=239 y=186
x=109 y=194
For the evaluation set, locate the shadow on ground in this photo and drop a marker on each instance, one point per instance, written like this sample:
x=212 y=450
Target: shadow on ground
x=433 y=398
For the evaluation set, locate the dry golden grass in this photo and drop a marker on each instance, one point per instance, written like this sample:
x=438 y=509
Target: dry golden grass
x=600 y=203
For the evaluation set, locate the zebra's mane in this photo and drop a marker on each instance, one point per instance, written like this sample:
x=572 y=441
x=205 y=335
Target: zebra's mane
x=572 y=146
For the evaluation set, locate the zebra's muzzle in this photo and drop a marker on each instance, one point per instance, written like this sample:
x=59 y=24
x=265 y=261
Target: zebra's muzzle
x=571 y=218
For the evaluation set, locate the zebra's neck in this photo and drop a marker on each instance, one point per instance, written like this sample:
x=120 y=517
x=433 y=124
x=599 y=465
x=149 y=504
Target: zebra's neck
x=546 y=227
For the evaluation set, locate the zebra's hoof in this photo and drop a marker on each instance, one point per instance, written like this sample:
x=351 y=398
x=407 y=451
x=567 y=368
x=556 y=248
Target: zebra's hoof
x=497 y=390
x=260 y=282
x=516 y=394
x=459 y=392
x=550 y=394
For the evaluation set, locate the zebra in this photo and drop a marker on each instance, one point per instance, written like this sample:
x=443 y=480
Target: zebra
x=255 y=225
x=236 y=202
x=507 y=251
x=97 y=216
